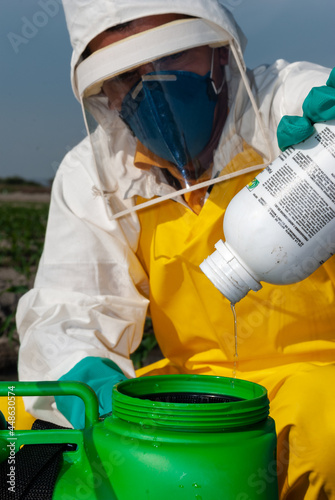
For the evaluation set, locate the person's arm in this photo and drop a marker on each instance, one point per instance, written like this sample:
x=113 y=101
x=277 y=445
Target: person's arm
x=101 y=374
x=279 y=89
x=86 y=301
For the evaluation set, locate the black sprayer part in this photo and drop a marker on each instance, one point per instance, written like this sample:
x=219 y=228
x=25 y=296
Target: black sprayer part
x=36 y=469
x=189 y=397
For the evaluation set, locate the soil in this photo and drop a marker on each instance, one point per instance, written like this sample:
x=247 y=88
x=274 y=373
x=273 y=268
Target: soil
x=39 y=197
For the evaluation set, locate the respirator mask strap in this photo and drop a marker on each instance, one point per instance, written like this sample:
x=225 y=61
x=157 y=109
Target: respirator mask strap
x=219 y=90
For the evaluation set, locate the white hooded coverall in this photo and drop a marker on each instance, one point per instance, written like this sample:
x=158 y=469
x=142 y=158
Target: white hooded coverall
x=96 y=276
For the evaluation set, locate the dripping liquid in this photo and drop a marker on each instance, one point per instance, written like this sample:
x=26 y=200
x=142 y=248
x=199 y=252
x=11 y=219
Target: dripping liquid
x=232 y=306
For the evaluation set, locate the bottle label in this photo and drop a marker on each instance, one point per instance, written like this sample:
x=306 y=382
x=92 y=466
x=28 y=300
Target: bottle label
x=298 y=188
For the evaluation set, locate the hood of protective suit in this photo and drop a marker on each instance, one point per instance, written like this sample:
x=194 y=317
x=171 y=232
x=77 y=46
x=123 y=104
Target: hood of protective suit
x=206 y=23
x=87 y=18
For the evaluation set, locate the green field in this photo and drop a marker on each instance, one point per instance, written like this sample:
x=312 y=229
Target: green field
x=22 y=230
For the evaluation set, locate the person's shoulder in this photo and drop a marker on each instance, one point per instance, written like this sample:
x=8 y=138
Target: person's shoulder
x=79 y=157
x=78 y=167
x=281 y=71
x=76 y=176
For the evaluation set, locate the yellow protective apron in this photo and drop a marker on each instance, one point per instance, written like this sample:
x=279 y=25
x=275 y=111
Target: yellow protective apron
x=285 y=336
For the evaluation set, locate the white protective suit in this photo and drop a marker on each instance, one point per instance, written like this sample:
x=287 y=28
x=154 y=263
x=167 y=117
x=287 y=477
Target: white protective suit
x=91 y=293
x=87 y=297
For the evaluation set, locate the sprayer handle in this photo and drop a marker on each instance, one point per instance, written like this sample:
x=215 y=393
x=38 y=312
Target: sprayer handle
x=59 y=388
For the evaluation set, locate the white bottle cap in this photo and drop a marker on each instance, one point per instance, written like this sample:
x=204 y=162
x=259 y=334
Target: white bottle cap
x=227 y=274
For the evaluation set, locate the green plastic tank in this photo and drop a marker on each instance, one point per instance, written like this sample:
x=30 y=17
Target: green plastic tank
x=170 y=437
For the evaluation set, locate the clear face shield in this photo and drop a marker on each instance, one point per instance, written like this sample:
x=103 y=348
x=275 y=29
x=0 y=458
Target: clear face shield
x=165 y=106
x=170 y=108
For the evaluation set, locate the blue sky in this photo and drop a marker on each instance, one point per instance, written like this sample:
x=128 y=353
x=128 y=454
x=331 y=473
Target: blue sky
x=40 y=118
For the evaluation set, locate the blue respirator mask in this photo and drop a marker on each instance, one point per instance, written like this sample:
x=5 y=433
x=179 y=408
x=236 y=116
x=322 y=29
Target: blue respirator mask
x=172 y=113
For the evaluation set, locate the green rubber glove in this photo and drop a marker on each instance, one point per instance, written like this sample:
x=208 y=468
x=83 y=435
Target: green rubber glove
x=319 y=106
x=101 y=374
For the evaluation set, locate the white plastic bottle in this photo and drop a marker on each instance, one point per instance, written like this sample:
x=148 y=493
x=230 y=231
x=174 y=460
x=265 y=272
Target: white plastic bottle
x=281 y=227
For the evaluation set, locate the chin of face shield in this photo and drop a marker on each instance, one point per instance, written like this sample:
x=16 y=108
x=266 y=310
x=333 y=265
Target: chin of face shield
x=169 y=105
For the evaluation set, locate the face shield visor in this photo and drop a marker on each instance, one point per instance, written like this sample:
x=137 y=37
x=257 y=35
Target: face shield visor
x=171 y=96
x=170 y=108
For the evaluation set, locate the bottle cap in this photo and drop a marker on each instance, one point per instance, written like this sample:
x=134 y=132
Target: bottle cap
x=228 y=274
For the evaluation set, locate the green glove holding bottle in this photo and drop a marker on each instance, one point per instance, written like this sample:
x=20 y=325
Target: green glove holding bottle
x=319 y=106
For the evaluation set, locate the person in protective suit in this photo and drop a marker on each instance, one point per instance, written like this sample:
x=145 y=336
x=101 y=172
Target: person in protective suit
x=174 y=117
